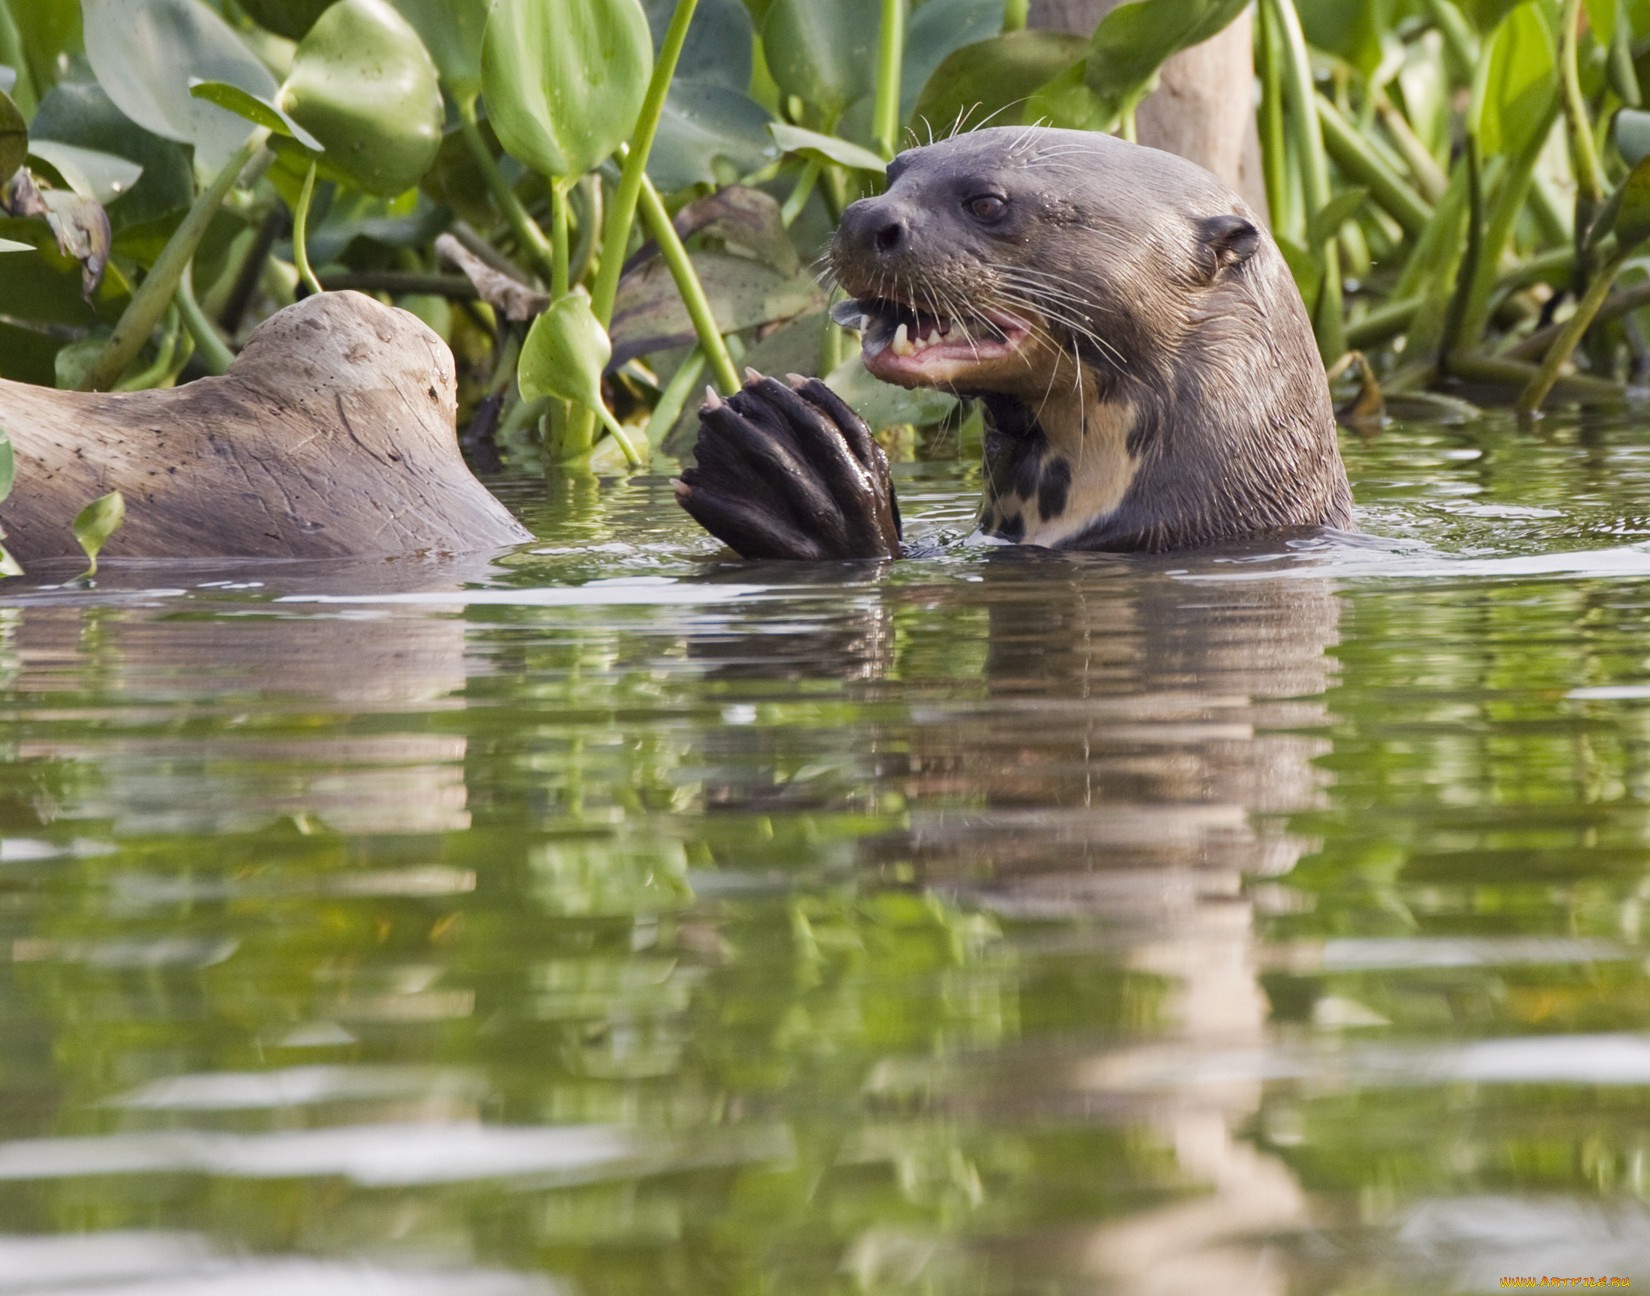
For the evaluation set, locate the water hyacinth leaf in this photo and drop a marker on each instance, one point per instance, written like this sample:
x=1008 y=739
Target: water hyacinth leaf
x=1632 y=134
x=78 y=226
x=746 y=218
x=989 y=80
x=289 y=18
x=720 y=41
x=1632 y=216
x=363 y=84
x=452 y=31
x=1327 y=223
x=1516 y=83
x=708 y=134
x=826 y=148
x=91 y=173
x=80 y=113
x=8 y=464
x=825 y=54
x=1487 y=14
x=934 y=31
x=648 y=314
x=145 y=51
x=564 y=80
x=14 y=138
x=565 y=353
x=260 y=112
x=95 y=523
x=1134 y=40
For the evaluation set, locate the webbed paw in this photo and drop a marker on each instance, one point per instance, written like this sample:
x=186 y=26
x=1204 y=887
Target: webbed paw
x=790 y=472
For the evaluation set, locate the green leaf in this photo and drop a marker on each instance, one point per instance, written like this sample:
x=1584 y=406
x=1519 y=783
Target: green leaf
x=1601 y=19
x=1517 y=80
x=80 y=113
x=826 y=148
x=720 y=41
x=144 y=53
x=708 y=134
x=564 y=80
x=8 y=464
x=363 y=84
x=95 y=523
x=1632 y=218
x=1487 y=14
x=91 y=173
x=260 y=112
x=1348 y=31
x=1340 y=209
x=563 y=358
x=990 y=81
x=1134 y=40
x=1306 y=268
x=451 y=30
x=1632 y=135
x=14 y=138
x=824 y=53
x=289 y=18
x=9 y=566
x=648 y=314
x=936 y=29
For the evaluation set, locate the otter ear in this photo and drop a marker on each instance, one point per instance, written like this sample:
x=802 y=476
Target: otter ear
x=1225 y=241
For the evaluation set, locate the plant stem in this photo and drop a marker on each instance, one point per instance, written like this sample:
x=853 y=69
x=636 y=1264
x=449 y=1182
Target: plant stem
x=1458 y=41
x=213 y=351
x=681 y=386
x=890 y=51
x=1531 y=398
x=1015 y=13
x=558 y=237
x=14 y=56
x=1302 y=100
x=401 y=283
x=300 y=233
x=1274 y=150
x=687 y=283
x=1583 y=155
x=1467 y=274
x=800 y=195
x=622 y=213
x=1364 y=166
x=154 y=294
x=527 y=230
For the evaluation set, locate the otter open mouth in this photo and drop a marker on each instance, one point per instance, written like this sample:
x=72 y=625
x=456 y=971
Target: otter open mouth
x=918 y=348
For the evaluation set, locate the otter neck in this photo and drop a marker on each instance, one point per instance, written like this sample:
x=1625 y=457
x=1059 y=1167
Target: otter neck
x=1054 y=465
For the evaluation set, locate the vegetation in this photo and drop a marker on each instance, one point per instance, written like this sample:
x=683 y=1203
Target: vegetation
x=601 y=204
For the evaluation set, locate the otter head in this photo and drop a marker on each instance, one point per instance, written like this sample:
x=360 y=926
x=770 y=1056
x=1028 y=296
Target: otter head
x=1148 y=369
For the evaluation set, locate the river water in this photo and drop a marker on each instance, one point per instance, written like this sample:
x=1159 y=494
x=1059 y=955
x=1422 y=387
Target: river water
x=611 y=920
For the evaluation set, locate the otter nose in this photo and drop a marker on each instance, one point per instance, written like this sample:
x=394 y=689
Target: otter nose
x=876 y=227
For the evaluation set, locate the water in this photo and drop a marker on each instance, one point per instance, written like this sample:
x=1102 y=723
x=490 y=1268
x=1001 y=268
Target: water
x=611 y=921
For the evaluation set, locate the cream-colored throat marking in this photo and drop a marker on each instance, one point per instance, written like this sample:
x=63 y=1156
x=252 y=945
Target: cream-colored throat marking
x=1093 y=439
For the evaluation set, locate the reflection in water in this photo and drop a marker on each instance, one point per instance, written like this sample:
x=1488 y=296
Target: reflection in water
x=1012 y=922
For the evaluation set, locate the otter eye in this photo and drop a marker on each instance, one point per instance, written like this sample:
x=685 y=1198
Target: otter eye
x=986 y=207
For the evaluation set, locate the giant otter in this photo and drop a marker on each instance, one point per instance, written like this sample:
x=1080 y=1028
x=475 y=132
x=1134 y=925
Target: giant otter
x=1146 y=366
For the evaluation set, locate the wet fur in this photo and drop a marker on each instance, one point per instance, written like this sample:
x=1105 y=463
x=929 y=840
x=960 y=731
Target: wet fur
x=1170 y=393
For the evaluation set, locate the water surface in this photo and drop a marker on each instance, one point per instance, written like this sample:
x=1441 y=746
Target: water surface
x=612 y=920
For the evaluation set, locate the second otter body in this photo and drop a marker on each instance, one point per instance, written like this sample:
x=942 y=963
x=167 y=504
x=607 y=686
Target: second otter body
x=1146 y=367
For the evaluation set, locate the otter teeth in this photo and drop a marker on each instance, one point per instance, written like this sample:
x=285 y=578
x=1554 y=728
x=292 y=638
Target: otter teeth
x=902 y=344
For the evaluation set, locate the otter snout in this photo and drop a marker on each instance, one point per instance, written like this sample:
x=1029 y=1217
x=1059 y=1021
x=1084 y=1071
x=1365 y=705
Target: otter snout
x=873 y=228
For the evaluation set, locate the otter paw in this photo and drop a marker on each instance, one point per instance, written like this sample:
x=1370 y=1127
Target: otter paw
x=790 y=472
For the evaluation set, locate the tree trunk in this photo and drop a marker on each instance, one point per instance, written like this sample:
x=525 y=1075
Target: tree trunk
x=1204 y=106
x=331 y=436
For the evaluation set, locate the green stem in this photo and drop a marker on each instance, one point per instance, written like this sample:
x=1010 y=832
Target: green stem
x=1583 y=154
x=590 y=219
x=1274 y=149
x=687 y=283
x=1015 y=13
x=300 y=233
x=800 y=195
x=153 y=296
x=1564 y=345
x=1302 y=100
x=1384 y=322
x=1362 y=165
x=214 y=352
x=622 y=214
x=1458 y=41
x=618 y=434
x=167 y=361
x=890 y=51
x=683 y=383
x=1467 y=273
x=558 y=237
x=527 y=230
x=14 y=56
